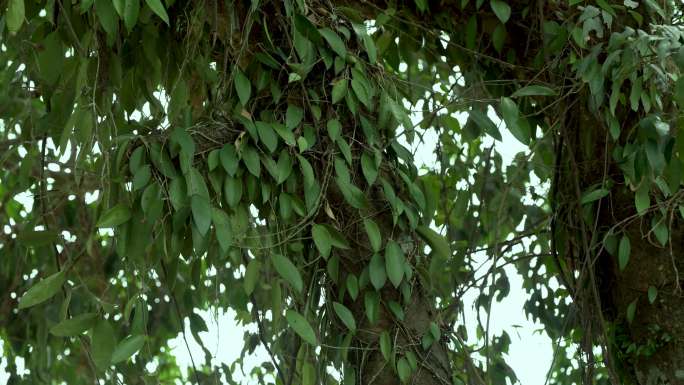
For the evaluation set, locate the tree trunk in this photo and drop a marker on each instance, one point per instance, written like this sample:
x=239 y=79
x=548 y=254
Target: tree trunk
x=646 y=343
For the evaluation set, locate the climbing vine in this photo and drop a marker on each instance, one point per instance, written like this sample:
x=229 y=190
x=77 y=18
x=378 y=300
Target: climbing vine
x=163 y=157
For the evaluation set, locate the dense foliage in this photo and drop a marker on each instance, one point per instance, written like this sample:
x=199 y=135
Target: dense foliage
x=166 y=156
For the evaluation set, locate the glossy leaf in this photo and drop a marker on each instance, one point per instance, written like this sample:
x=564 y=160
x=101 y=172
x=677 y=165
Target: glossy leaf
x=403 y=370
x=201 y=213
x=373 y=232
x=386 y=345
x=43 y=290
x=243 y=87
x=345 y=315
x=438 y=244
x=377 y=272
x=334 y=41
x=394 y=262
x=74 y=326
x=103 y=343
x=624 y=249
x=321 y=238
x=534 y=90
x=301 y=326
x=115 y=216
x=339 y=90
x=293 y=116
x=127 y=348
x=15 y=15
x=288 y=271
x=158 y=8
x=252 y=276
x=131 y=13
x=501 y=10
x=652 y=294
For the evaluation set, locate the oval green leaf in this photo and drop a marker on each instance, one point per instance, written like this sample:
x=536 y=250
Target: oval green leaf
x=127 y=348
x=288 y=271
x=158 y=8
x=394 y=262
x=43 y=290
x=301 y=326
x=74 y=326
x=115 y=216
x=345 y=315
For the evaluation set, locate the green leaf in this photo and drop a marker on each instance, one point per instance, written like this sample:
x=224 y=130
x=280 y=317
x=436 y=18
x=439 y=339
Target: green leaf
x=242 y=86
x=403 y=370
x=307 y=172
x=229 y=159
x=232 y=191
x=339 y=90
x=267 y=135
x=631 y=310
x=642 y=200
x=321 y=238
x=284 y=167
x=51 y=59
x=196 y=183
x=396 y=309
x=201 y=213
x=42 y=291
x=352 y=286
x=369 y=168
x=499 y=37
x=371 y=303
x=251 y=159
x=334 y=129
x=593 y=195
x=251 y=276
x=534 y=90
x=352 y=194
x=15 y=15
x=102 y=345
x=373 y=232
x=285 y=133
x=131 y=12
x=501 y=10
x=307 y=29
x=301 y=326
x=624 y=249
x=334 y=41
x=288 y=271
x=439 y=245
x=127 y=348
x=293 y=116
x=376 y=271
x=517 y=125
x=481 y=120
x=222 y=224
x=660 y=230
x=386 y=345
x=37 y=238
x=142 y=177
x=394 y=262
x=106 y=13
x=119 y=6
x=74 y=326
x=115 y=216
x=197 y=324
x=361 y=91
x=345 y=315
x=652 y=294
x=158 y=8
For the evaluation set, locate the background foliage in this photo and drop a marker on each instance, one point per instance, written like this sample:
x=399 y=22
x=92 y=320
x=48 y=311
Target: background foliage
x=255 y=156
